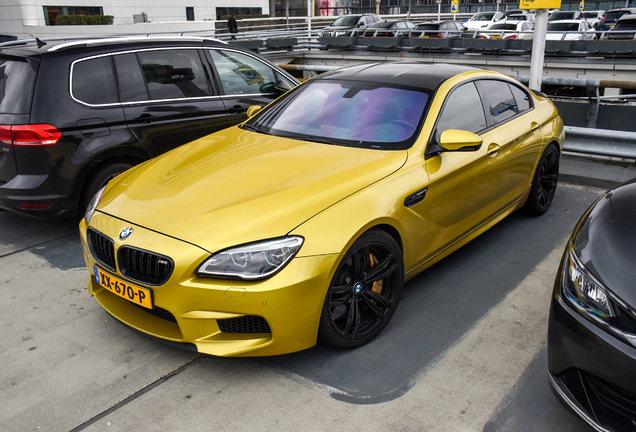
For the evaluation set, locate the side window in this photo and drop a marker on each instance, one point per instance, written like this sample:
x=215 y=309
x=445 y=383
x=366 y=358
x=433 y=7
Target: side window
x=499 y=99
x=456 y=114
x=521 y=97
x=173 y=74
x=93 y=81
x=132 y=87
x=242 y=74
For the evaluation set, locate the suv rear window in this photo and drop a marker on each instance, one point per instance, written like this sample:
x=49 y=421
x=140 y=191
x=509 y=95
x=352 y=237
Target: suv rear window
x=93 y=81
x=17 y=80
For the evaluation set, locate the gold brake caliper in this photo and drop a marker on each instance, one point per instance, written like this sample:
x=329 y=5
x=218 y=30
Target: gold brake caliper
x=377 y=285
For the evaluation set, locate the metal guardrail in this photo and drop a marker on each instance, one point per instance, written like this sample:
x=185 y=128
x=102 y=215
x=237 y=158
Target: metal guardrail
x=600 y=142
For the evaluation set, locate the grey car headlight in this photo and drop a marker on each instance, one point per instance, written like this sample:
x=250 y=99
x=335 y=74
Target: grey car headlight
x=252 y=261
x=585 y=292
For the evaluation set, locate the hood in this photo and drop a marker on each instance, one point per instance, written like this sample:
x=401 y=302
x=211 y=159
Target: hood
x=606 y=241
x=237 y=186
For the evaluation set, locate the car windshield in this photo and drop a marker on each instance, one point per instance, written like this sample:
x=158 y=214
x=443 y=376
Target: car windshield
x=563 y=27
x=614 y=15
x=361 y=114
x=346 y=21
x=382 y=24
x=16 y=86
x=561 y=16
x=517 y=18
x=629 y=24
x=589 y=15
x=482 y=17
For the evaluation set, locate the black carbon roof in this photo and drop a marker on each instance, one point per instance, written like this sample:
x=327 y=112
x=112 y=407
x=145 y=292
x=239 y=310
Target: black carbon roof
x=411 y=74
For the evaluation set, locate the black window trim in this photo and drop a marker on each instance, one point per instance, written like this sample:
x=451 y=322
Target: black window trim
x=208 y=66
x=490 y=124
x=217 y=76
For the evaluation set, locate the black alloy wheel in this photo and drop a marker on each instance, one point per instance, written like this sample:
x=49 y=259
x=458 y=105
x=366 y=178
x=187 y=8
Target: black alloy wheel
x=544 y=183
x=364 y=292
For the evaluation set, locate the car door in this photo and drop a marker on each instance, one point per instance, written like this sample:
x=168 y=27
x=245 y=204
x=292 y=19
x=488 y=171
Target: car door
x=244 y=80
x=517 y=133
x=167 y=97
x=463 y=184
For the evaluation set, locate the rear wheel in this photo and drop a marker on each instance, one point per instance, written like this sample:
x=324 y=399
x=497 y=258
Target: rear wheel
x=100 y=178
x=544 y=183
x=364 y=292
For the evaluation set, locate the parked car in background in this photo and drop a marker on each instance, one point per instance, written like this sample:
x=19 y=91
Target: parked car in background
x=625 y=28
x=75 y=114
x=303 y=223
x=438 y=29
x=592 y=325
x=610 y=18
x=482 y=20
x=570 y=30
x=564 y=15
x=345 y=25
x=509 y=30
x=530 y=15
x=519 y=17
x=593 y=17
x=389 y=28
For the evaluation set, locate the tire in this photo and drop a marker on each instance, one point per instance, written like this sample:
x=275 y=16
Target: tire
x=544 y=183
x=98 y=179
x=364 y=292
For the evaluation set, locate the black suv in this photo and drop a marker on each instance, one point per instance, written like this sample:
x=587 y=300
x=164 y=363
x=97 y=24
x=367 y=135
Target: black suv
x=74 y=114
x=345 y=25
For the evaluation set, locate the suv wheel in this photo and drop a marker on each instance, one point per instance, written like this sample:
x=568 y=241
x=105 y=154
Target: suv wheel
x=100 y=178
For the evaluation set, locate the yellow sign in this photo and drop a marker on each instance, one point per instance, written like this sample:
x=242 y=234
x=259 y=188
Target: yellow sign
x=582 y=5
x=540 y=4
x=454 y=6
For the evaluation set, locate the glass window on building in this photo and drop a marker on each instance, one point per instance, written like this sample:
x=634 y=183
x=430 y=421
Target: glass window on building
x=52 y=12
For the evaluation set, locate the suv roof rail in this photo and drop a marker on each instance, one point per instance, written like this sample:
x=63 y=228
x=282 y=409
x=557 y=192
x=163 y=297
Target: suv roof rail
x=81 y=41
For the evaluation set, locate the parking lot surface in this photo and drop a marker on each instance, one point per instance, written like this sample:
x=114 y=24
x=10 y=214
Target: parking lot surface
x=465 y=350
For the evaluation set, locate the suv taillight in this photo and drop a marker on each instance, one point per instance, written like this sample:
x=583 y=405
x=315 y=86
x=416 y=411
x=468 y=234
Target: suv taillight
x=30 y=135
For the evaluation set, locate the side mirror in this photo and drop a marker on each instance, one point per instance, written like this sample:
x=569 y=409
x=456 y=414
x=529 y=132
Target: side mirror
x=253 y=110
x=282 y=86
x=459 y=140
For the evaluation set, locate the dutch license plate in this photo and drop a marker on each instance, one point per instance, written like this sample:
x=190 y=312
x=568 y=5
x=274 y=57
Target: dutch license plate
x=133 y=293
x=494 y=37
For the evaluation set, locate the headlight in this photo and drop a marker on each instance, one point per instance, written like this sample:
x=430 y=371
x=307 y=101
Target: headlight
x=92 y=204
x=585 y=292
x=252 y=261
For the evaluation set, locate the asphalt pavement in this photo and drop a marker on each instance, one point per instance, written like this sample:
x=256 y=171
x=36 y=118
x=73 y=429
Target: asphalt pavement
x=465 y=350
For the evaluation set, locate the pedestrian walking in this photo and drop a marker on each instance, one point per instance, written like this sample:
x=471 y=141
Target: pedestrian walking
x=232 y=27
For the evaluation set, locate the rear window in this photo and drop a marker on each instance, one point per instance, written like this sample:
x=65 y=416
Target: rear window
x=93 y=81
x=504 y=27
x=572 y=27
x=16 y=86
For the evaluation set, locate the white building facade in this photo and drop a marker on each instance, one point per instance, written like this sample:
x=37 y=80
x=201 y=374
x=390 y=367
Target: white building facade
x=29 y=18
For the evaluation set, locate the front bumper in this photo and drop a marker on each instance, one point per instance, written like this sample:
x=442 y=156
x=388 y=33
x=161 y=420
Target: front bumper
x=216 y=315
x=592 y=372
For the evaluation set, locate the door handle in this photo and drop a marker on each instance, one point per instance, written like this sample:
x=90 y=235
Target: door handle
x=493 y=148
x=146 y=118
x=534 y=126
x=236 y=109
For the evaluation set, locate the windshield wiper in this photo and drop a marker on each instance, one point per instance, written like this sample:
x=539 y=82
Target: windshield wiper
x=321 y=140
x=249 y=127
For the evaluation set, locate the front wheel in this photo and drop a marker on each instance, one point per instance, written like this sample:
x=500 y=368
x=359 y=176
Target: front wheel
x=544 y=183
x=364 y=292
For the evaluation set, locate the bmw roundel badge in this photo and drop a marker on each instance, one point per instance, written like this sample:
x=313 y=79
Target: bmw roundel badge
x=125 y=233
